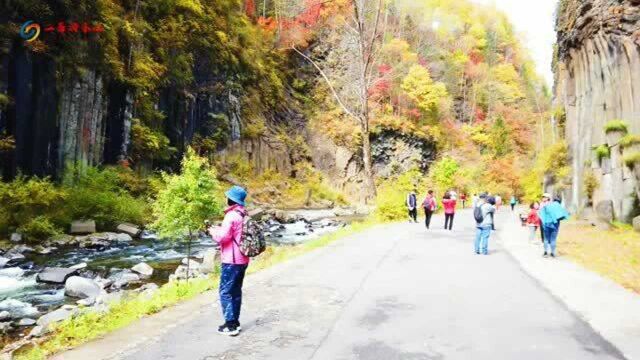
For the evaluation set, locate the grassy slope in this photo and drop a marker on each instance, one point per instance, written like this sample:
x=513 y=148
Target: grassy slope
x=89 y=326
x=614 y=254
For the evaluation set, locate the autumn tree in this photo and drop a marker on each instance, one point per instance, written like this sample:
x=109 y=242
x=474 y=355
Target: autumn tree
x=361 y=38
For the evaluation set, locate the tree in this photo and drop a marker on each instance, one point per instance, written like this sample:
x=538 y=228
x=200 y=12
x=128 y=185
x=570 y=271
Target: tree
x=187 y=200
x=363 y=36
x=426 y=93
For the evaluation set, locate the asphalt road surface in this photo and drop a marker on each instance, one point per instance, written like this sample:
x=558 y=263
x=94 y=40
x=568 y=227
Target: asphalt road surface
x=394 y=292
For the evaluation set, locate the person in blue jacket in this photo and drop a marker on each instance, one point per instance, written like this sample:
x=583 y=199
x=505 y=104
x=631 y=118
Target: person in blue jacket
x=550 y=217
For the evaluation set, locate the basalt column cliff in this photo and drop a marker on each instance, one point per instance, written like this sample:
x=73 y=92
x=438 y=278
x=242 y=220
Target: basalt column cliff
x=598 y=81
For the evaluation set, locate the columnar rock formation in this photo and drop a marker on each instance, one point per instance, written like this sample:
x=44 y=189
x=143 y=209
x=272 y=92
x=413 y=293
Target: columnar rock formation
x=598 y=80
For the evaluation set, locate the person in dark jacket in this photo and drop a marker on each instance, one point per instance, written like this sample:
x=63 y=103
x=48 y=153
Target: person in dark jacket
x=412 y=206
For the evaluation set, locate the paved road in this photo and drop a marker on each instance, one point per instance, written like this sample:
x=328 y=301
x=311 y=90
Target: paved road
x=394 y=292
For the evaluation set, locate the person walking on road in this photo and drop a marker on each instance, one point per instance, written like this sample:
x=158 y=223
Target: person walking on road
x=412 y=206
x=463 y=198
x=483 y=214
x=449 y=205
x=513 y=203
x=429 y=205
x=550 y=216
x=533 y=221
x=233 y=262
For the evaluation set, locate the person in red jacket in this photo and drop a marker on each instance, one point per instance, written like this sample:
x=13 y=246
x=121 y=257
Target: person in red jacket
x=429 y=206
x=463 y=198
x=533 y=220
x=449 y=205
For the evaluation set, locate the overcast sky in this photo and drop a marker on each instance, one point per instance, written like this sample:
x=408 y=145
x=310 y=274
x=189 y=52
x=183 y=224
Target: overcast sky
x=534 y=21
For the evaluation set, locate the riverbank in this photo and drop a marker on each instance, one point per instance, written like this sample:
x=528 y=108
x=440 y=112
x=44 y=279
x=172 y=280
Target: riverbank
x=90 y=325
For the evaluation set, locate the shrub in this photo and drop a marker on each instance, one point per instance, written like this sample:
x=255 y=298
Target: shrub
x=40 y=227
x=629 y=141
x=631 y=160
x=602 y=152
x=616 y=125
x=101 y=194
x=24 y=199
x=590 y=185
x=392 y=194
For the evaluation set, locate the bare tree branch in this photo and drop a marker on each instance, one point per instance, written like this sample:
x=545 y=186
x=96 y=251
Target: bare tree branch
x=328 y=82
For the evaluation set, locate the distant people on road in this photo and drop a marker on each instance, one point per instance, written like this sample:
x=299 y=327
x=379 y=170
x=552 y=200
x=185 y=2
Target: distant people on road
x=550 y=216
x=453 y=194
x=449 y=205
x=233 y=262
x=463 y=198
x=533 y=221
x=412 y=206
x=429 y=205
x=483 y=213
x=513 y=202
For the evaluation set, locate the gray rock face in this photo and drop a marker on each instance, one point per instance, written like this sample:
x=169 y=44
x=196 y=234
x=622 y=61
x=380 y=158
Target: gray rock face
x=604 y=210
x=129 y=229
x=598 y=80
x=83 y=227
x=82 y=288
x=636 y=223
x=143 y=269
x=55 y=316
x=55 y=275
x=16 y=237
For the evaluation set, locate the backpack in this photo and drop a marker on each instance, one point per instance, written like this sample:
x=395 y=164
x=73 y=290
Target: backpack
x=477 y=214
x=253 y=242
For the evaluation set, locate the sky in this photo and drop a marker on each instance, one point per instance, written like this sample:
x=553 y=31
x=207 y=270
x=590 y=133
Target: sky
x=534 y=21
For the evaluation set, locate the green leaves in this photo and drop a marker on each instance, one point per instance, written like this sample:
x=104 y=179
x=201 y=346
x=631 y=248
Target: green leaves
x=188 y=199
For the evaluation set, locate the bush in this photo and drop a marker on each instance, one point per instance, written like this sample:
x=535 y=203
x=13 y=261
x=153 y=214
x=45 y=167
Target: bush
x=632 y=160
x=616 y=125
x=392 y=194
x=590 y=185
x=25 y=199
x=629 y=141
x=40 y=227
x=602 y=152
x=101 y=194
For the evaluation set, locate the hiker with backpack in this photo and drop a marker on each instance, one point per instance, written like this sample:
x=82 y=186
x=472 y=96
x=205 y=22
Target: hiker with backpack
x=239 y=239
x=550 y=216
x=429 y=205
x=483 y=214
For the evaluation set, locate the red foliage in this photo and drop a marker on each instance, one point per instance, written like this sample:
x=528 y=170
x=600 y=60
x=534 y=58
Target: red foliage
x=380 y=89
x=422 y=61
x=384 y=69
x=476 y=57
x=480 y=115
x=250 y=8
x=414 y=113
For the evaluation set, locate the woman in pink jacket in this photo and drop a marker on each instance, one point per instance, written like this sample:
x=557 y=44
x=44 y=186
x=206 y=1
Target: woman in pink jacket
x=234 y=262
x=449 y=205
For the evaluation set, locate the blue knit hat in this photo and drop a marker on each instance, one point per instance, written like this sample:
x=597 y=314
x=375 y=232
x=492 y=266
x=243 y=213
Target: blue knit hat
x=237 y=194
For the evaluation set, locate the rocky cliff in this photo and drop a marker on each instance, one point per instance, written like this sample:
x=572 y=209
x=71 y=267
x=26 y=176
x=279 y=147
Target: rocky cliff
x=598 y=80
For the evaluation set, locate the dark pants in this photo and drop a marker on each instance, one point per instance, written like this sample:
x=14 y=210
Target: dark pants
x=231 y=280
x=427 y=217
x=448 y=221
x=413 y=214
x=513 y=206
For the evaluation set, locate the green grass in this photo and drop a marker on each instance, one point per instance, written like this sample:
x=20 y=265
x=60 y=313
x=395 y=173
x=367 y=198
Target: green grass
x=89 y=326
x=616 y=125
